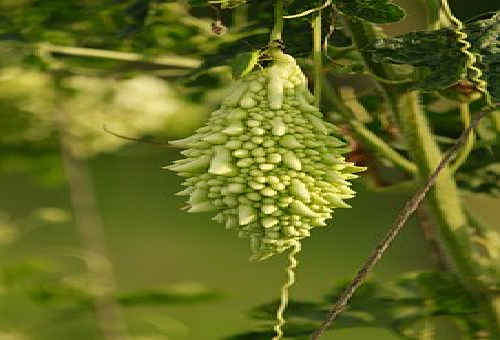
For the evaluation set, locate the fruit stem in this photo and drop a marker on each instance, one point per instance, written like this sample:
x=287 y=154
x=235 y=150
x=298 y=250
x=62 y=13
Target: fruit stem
x=278 y=22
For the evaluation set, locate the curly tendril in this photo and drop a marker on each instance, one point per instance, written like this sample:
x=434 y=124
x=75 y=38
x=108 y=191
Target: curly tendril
x=292 y=264
x=481 y=84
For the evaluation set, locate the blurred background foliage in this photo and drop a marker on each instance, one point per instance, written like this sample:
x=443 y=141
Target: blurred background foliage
x=153 y=70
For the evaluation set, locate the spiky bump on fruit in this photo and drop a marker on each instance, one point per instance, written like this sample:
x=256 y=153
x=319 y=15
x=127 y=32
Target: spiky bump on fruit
x=266 y=162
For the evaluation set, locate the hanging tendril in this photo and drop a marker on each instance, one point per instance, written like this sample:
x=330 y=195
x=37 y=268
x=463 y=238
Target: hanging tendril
x=292 y=264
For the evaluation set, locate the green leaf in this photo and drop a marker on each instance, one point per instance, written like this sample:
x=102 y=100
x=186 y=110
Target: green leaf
x=44 y=283
x=254 y=335
x=401 y=306
x=438 y=52
x=375 y=11
x=244 y=63
x=178 y=293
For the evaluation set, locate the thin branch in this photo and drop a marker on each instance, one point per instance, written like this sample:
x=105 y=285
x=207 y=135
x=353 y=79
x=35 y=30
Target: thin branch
x=400 y=222
x=174 y=61
x=142 y=140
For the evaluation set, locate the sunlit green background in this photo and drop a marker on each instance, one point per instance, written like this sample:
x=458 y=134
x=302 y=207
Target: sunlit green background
x=153 y=243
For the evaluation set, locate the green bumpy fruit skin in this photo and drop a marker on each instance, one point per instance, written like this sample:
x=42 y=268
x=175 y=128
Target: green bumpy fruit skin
x=266 y=163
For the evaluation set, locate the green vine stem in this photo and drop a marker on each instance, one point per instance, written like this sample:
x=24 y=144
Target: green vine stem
x=317 y=57
x=444 y=199
x=464 y=153
x=430 y=234
x=424 y=150
x=370 y=139
x=349 y=98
